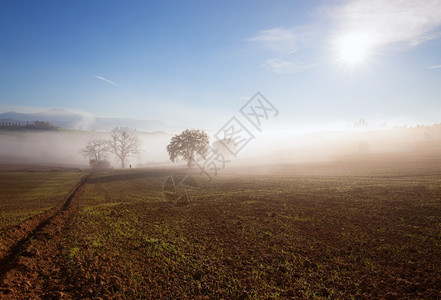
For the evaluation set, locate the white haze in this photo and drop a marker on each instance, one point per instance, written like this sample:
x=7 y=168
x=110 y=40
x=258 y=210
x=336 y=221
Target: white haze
x=62 y=147
x=269 y=147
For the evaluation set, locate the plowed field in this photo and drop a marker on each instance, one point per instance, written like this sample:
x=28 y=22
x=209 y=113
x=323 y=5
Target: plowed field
x=113 y=236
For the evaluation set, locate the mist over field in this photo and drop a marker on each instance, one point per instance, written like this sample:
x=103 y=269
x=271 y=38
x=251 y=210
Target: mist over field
x=61 y=147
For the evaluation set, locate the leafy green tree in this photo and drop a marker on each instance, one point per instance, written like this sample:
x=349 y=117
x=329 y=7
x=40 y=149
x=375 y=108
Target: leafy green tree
x=187 y=145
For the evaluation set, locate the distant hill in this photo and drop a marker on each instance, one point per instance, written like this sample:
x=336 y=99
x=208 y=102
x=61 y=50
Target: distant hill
x=72 y=120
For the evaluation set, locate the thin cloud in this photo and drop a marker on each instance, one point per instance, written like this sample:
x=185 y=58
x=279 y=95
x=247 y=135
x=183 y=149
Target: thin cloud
x=106 y=80
x=286 y=65
x=393 y=21
x=435 y=67
x=279 y=65
x=290 y=62
x=286 y=47
x=276 y=39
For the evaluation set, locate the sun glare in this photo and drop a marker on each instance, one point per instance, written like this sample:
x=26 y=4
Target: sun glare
x=353 y=48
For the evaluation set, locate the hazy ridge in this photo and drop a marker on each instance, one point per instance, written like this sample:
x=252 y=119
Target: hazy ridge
x=74 y=120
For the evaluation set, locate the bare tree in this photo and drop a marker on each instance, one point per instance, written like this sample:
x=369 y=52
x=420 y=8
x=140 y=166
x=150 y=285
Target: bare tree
x=95 y=149
x=187 y=144
x=124 y=142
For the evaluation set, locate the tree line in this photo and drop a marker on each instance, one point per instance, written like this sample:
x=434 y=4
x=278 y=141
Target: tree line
x=124 y=143
x=37 y=125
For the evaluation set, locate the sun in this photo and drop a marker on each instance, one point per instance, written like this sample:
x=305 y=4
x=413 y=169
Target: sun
x=353 y=48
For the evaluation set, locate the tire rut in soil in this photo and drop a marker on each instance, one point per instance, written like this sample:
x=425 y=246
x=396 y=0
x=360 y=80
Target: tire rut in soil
x=19 y=236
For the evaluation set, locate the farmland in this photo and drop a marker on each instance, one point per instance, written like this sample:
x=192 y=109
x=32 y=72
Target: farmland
x=242 y=236
x=25 y=194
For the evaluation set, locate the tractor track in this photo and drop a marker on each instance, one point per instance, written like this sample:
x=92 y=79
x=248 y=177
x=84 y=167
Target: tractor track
x=28 y=241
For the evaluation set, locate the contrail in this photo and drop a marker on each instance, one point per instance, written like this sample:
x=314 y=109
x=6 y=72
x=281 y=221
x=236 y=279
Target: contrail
x=435 y=67
x=106 y=80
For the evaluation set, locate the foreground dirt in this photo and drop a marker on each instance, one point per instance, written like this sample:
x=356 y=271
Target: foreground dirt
x=241 y=237
x=31 y=259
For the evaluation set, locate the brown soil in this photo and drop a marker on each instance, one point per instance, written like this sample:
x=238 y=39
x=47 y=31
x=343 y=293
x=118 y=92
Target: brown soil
x=365 y=237
x=30 y=254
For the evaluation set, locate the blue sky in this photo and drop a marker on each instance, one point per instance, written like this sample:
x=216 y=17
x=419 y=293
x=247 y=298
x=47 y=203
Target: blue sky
x=323 y=64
